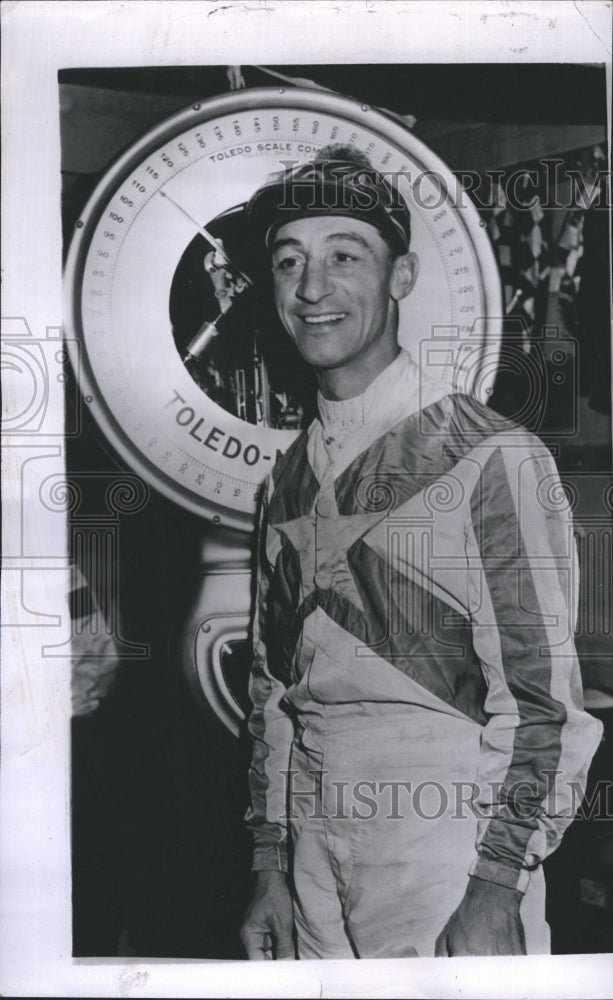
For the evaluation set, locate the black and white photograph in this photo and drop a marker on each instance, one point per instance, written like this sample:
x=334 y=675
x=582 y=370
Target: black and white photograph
x=308 y=501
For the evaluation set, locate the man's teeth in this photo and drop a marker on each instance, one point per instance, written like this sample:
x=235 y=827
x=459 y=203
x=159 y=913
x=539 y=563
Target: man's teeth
x=325 y=318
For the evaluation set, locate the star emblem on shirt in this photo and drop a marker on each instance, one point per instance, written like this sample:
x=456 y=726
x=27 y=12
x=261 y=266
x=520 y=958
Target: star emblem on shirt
x=322 y=540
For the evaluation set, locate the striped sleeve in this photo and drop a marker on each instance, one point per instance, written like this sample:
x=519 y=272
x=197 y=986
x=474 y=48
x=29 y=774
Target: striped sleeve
x=523 y=577
x=270 y=728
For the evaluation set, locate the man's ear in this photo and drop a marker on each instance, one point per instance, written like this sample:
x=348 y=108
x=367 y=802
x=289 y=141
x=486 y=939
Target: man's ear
x=404 y=275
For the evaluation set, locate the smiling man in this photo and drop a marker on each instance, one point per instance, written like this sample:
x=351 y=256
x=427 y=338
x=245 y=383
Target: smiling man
x=337 y=288
x=418 y=734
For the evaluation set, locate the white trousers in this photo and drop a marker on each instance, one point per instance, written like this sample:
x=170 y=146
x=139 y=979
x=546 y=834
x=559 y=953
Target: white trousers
x=383 y=833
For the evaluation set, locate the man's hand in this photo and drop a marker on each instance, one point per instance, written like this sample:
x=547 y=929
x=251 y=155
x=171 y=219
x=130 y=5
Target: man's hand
x=267 y=931
x=487 y=922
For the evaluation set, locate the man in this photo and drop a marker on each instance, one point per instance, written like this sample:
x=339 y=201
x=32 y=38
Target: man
x=417 y=719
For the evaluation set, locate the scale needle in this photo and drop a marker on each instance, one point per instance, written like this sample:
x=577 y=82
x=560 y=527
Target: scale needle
x=210 y=239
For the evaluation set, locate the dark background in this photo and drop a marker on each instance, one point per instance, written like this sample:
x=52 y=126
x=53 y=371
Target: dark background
x=161 y=862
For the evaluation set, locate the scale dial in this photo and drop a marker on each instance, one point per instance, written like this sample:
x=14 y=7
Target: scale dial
x=193 y=438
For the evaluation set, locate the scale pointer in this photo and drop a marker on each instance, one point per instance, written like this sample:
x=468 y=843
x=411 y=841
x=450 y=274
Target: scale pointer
x=210 y=239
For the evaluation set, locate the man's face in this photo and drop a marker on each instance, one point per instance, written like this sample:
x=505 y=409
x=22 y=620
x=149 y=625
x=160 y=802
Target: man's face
x=336 y=287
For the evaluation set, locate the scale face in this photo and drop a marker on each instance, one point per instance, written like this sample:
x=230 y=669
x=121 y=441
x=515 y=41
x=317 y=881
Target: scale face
x=141 y=282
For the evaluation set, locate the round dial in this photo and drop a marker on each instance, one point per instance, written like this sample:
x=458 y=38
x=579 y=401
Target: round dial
x=182 y=358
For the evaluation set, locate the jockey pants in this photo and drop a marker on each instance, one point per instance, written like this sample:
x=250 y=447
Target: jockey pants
x=383 y=828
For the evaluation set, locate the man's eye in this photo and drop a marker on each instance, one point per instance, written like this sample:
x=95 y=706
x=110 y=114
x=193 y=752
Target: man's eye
x=287 y=264
x=340 y=257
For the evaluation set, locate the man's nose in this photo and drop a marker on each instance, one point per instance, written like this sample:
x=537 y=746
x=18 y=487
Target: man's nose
x=315 y=282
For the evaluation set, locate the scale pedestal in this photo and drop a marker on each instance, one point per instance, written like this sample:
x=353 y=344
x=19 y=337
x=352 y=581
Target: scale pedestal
x=215 y=650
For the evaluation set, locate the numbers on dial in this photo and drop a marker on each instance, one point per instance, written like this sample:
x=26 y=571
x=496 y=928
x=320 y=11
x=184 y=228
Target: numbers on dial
x=210 y=149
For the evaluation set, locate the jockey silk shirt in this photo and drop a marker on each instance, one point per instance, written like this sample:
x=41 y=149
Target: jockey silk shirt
x=416 y=548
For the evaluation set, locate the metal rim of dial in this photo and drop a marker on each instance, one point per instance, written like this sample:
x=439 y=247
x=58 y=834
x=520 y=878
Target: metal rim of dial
x=136 y=226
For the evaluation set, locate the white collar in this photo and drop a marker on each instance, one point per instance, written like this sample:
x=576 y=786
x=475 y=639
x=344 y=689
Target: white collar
x=344 y=414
